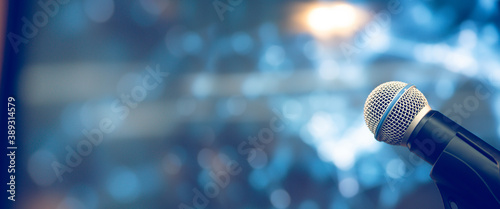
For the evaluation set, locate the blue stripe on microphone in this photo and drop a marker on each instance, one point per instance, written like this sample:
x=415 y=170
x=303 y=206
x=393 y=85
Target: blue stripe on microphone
x=389 y=108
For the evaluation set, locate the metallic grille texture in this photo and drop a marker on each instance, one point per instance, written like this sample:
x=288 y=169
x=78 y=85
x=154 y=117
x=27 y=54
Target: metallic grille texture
x=377 y=102
x=401 y=115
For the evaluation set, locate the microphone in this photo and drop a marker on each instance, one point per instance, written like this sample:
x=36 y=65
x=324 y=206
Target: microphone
x=464 y=167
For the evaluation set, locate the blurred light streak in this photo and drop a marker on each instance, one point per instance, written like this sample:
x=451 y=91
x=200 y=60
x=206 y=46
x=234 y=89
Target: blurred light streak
x=242 y=42
x=123 y=185
x=343 y=151
x=280 y=199
x=348 y=187
x=40 y=168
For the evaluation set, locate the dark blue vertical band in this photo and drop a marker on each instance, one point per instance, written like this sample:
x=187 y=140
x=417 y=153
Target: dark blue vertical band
x=389 y=108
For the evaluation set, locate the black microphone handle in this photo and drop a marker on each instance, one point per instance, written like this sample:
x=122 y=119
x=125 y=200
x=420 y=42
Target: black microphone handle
x=464 y=167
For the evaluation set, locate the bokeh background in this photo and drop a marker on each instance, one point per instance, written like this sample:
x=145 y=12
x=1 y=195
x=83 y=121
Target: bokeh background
x=234 y=67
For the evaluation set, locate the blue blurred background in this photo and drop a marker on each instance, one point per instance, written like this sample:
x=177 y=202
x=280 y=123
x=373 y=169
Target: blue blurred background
x=237 y=69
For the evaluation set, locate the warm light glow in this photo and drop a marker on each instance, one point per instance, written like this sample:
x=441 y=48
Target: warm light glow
x=336 y=17
x=327 y=19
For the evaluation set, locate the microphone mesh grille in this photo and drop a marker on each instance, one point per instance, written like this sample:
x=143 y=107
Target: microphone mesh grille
x=401 y=115
x=377 y=102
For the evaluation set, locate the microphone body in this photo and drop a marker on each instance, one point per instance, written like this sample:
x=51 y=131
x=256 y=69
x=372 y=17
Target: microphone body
x=465 y=168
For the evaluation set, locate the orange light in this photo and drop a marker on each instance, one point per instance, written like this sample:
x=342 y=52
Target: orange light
x=326 y=20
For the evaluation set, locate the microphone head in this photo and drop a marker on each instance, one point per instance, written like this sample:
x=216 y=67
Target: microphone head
x=390 y=110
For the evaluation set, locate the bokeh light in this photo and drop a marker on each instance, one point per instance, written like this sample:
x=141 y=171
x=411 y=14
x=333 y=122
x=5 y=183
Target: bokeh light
x=298 y=71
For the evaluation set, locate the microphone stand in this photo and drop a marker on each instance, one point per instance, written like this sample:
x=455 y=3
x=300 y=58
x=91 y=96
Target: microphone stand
x=465 y=168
